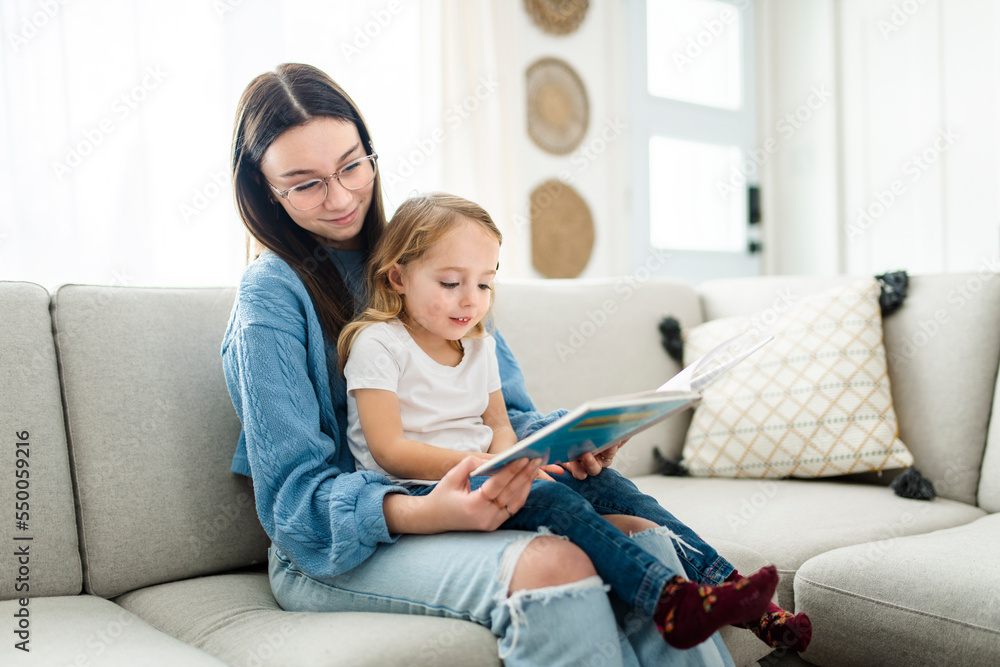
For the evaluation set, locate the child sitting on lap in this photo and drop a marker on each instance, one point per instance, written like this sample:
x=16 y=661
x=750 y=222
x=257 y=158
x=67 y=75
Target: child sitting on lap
x=424 y=393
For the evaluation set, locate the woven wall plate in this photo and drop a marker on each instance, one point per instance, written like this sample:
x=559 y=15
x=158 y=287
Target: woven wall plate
x=558 y=110
x=557 y=17
x=562 y=230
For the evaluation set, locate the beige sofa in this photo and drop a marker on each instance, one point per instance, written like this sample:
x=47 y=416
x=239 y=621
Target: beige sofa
x=145 y=549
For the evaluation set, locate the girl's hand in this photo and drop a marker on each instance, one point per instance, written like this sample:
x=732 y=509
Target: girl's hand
x=455 y=506
x=591 y=464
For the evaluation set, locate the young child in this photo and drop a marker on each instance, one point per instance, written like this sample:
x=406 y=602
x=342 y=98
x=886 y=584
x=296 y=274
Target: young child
x=424 y=393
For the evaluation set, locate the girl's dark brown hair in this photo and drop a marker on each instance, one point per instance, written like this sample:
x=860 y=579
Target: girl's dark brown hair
x=272 y=103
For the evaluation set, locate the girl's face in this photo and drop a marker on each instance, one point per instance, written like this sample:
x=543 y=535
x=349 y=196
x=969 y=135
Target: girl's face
x=447 y=291
x=320 y=147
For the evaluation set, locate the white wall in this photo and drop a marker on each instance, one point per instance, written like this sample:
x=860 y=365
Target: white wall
x=597 y=168
x=901 y=170
x=797 y=97
x=920 y=134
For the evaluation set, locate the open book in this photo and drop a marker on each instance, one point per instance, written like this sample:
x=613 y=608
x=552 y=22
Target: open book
x=602 y=423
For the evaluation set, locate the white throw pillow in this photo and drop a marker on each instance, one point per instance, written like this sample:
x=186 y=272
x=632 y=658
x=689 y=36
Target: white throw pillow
x=814 y=402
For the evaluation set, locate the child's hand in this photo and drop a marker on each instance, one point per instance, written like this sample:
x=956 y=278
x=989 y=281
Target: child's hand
x=590 y=464
x=553 y=468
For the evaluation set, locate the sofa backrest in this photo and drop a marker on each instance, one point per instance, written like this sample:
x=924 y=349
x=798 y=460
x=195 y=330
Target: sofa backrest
x=989 y=480
x=584 y=339
x=943 y=349
x=36 y=492
x=152 y=433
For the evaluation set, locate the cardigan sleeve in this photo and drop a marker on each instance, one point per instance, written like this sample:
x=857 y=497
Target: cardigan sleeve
x=323 y=515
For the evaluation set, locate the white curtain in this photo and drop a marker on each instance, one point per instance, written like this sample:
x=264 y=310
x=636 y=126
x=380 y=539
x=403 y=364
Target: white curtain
x=116 y=118
x=482 y=88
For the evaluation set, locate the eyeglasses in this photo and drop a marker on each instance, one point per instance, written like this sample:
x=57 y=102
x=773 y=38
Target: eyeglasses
x=354 y=176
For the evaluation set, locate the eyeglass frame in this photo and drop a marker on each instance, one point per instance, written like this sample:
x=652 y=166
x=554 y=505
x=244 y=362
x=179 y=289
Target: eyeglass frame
x=326 y=181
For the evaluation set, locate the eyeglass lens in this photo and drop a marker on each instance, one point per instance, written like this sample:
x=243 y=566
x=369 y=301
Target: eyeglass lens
x=354 y=176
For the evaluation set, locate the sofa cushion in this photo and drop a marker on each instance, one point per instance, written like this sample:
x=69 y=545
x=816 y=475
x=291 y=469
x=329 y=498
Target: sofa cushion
x=152 y=433
x=933 y=599
x=815 y=402
x=790 y=521
x=235 y=618
x=943 y=348
x=582 y=339
x=88 y=630
x=37 y=473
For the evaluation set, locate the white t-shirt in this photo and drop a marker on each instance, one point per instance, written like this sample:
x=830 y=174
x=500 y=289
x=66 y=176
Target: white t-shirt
x=439 y=405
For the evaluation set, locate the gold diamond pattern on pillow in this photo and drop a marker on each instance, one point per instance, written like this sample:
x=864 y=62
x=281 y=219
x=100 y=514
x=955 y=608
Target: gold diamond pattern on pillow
x=814 y=402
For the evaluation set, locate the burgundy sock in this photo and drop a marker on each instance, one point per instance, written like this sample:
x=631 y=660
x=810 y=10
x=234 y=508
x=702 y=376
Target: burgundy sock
x=688 y=613
x=779 y=628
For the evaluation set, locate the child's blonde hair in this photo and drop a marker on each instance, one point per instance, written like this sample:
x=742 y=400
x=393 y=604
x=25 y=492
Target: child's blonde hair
x=418 y=224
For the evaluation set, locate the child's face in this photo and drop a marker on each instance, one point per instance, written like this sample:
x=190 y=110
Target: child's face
x=447 y=291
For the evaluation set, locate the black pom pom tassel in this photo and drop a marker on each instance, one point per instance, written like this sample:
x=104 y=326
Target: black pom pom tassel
x=665 y=466
x=894 y=286
x=911 y=484
x=670 y=337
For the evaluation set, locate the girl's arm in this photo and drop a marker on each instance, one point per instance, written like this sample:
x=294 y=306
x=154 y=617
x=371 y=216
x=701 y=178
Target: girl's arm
x=496 y=418
x=378 y=410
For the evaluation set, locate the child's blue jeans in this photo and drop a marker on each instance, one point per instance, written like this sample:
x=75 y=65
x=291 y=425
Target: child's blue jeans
x=574 y=508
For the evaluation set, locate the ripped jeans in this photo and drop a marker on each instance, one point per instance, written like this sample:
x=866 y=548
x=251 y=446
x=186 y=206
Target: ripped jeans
x=573 y=508
x=467 y=576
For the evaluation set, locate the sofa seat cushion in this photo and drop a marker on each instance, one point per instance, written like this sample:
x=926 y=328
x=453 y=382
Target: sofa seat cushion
x=235 y=618
x=932 y=597
x=88 y=630
x=790 y=521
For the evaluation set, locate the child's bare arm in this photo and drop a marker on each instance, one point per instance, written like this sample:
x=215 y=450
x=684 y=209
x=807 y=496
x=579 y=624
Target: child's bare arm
x=496 y=418
x=378 y=410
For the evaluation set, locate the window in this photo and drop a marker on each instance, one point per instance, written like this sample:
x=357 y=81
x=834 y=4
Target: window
x=693 y=119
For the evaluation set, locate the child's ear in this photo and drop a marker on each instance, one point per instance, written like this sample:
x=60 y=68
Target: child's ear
x=395 y=276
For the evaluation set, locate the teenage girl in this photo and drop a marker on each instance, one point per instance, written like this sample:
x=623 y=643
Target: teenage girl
x=306 y=181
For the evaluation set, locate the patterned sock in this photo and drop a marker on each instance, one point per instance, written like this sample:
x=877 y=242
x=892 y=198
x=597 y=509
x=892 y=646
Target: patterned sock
x=779 y=628
x=688 y=613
